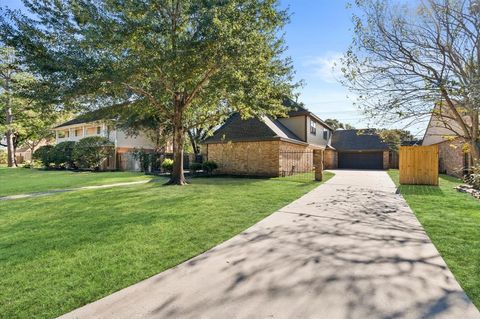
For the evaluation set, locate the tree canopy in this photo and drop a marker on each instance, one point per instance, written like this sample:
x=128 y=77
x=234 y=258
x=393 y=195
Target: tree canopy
x=191 y=62
x=407 y=59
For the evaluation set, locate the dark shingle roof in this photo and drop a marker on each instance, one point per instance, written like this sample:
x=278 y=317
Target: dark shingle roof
x=92 y=116
x=237 y=129
x=357 y=140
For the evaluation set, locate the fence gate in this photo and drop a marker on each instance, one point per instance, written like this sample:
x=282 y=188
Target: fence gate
x=297 y=165
x=419 y=165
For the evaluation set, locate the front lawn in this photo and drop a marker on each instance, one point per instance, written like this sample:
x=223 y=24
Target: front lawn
x=62 y=251
x=452 y=221
x=24 y=180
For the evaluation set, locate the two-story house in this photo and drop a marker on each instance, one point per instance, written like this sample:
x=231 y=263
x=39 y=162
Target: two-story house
x=261 y=146
x=93 y=124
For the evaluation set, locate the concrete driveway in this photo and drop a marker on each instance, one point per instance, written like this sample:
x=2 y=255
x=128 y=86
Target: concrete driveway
x=351 y=248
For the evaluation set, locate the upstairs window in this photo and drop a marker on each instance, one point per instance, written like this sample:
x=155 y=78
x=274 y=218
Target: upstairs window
x=313 y=128
x=99 y=129
x=325 y=135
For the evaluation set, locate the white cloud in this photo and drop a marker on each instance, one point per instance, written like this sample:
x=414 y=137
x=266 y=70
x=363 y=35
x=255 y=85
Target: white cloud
x=327 y=67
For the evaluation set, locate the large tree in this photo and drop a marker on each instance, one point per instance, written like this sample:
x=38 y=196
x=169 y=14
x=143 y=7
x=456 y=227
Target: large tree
x=192 y=61
x=9 y=72
x=410 y=60
x=24 y=121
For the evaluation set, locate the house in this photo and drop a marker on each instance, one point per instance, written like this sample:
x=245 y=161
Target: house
x=444 y=132
x=95 y=124
x=275 y=146
x=357 y=149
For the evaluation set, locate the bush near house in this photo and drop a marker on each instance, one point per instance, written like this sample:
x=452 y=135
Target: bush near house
x=195 y=167
x=167 y=165
x=210 y=166
x=45 y=155
x=63 y=154
x=91 y=152
x=3 y=157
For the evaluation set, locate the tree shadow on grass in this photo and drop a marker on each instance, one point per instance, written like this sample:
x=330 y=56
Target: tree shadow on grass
x=358 y=254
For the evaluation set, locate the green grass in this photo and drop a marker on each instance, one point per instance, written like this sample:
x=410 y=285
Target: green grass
x=23 y=180
x=62 y=251
x=452 y=221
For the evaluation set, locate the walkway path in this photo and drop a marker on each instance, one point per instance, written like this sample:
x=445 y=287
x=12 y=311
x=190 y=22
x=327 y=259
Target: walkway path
x=65 y=190
x=351 y=248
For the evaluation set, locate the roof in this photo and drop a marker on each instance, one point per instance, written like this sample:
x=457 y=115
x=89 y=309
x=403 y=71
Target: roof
x=253 y=129
x=92 y=116
x=358 y=140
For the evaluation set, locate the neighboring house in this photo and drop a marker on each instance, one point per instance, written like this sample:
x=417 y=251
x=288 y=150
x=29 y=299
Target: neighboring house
x=442 y=131
x=262 y=146
x=357 y=149
x=94 y=125
x=259 y=146
x=24 y=154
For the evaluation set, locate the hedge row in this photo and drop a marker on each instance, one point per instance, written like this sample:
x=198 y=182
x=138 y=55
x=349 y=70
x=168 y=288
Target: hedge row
x=88 y=153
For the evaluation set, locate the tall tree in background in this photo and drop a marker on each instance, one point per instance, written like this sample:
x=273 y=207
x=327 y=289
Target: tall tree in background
x=193 y=61
x=405 y=60
x=336 y=124
x=9 y=70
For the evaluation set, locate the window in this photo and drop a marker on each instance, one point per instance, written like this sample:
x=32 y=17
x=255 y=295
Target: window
x=313 y=128
x=325 y=135
x=61 y=134
x=99 y=129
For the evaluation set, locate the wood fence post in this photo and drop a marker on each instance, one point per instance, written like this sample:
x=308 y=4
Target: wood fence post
x=318 y=163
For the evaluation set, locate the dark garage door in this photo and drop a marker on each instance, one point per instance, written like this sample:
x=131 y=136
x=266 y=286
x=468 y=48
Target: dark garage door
x=360 y=160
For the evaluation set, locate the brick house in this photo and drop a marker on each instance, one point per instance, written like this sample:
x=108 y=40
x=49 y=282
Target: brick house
x=442 y=131
x=260 y=146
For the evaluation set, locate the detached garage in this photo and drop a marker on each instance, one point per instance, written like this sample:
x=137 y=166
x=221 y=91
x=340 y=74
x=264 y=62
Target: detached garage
x=358 y=149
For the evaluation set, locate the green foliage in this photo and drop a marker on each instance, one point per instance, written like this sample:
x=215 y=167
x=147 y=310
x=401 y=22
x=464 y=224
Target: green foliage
x=167 y=165
x=194 y=167
x=3 y=157
x=181 y=66
x=336 y=124
x=45 y=154
x=63 y=154
x=91 y=152
x=209 y=166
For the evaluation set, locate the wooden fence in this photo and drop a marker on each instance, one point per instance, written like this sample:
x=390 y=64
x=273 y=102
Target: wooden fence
x=419 y=165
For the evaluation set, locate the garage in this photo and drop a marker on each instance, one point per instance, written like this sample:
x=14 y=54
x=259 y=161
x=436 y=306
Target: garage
x=358 y=149
x=360 y=160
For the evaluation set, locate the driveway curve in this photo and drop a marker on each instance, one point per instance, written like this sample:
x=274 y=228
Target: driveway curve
x=351 y=248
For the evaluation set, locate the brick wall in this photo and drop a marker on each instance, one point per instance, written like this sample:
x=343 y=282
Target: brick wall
x=386 y=159
x=451 y=157
x=330 y=160
x=245 y=158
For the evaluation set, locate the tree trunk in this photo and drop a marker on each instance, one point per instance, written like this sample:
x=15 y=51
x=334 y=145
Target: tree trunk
x=177 y=177
x=9 y=133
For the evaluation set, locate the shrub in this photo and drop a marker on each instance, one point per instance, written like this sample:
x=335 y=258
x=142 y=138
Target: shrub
x=3 y=157
x=210 y=166
x=63 y=154
x=91 y=152
x=44 y=154
x=167 y=165
x=194 y=167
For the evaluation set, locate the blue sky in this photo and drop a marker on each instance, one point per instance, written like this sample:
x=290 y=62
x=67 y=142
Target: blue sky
x=318 y=34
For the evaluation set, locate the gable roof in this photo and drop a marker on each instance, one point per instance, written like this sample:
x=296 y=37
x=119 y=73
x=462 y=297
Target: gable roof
x=92 y=116
x=253 y=129
x=358 y=140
